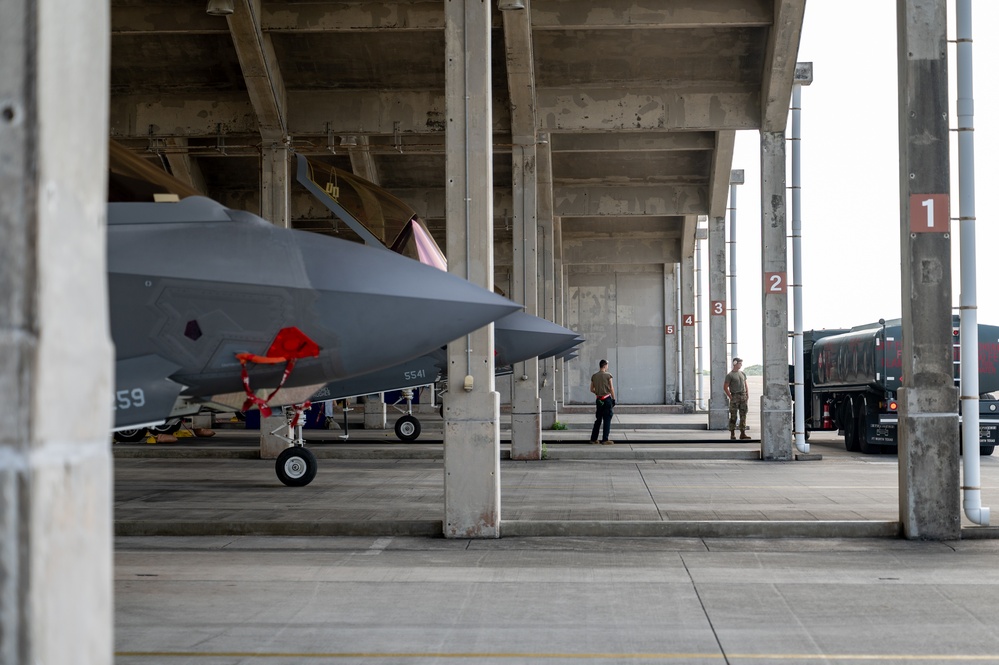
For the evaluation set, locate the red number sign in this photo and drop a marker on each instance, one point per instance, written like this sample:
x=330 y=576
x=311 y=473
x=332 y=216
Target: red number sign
x=717 y=308
x=688 y=319
x=929 y=213
x=669 y=330
x=774 y=282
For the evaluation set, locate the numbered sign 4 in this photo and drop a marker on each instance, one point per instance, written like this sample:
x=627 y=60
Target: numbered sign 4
x=688 y=319
x=929 y=213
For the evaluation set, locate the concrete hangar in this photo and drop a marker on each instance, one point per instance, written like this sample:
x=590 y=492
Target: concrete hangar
x=561 y=150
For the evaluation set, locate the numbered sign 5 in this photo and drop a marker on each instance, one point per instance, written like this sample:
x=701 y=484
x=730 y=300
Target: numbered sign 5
x=717 y=308
x=670 y=330
x=688 y=319
x=774 y=282
x=929 y=213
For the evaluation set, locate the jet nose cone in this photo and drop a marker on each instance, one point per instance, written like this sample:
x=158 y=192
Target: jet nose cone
x=386 y=308
x=520 y=336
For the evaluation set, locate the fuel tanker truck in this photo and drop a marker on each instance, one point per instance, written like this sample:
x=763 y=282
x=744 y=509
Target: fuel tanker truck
x=852 y=379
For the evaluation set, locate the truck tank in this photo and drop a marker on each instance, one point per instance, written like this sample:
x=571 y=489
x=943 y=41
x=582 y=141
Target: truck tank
x=861 y=359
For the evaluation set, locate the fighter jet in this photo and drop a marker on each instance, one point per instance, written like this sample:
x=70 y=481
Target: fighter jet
x=213 y=307
x=517 y=336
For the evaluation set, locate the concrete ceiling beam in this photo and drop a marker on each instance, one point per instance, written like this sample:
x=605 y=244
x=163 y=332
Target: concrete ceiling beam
x=520 y=76
x=575 y=15
x=264 y=83
x=633 y=142
x=782 y=56
x=604 y=200
x=721 y=170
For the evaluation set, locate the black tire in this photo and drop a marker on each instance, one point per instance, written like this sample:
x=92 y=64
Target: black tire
x=865 y=446
x=985 y=451
x=407 y=428
x=296 y=466
x=848 y=418
x=129 y=435
x=169 y=427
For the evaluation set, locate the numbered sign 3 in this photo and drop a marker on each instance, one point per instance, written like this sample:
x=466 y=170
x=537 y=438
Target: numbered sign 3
x=717 y=308
x=774 y=282
x=929 y=213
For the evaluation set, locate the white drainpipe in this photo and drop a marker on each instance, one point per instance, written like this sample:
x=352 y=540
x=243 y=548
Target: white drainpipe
x=972 y=485
x=802 y=76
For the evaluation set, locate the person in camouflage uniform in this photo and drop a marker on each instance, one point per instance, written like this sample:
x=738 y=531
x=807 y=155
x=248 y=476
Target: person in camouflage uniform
x=737 y=391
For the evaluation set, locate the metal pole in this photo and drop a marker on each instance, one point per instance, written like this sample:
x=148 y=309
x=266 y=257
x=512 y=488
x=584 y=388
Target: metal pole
x=698 y=320
x=802 y=76
x=737 y=177
x=969 y=287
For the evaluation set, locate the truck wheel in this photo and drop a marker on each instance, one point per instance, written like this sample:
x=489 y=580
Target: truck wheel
x=849 y=421
x=865 y=446
x=985 y=451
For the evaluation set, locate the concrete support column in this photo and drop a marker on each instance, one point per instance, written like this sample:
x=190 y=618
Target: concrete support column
x=525 y=403
x=688 y=366
x=375 y=411
x=275 y=184
x=671 y=326
x=928 y=466
x=471 y=409
x=717 y=324
x=546 y=277
x=55 y=456
x=272 y=428
x=775 y=402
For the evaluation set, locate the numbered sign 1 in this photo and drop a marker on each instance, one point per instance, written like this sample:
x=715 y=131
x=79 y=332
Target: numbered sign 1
x=929 y=213
x=688 y=319
x=717 y=308
x=670 y=329
x=774 y=282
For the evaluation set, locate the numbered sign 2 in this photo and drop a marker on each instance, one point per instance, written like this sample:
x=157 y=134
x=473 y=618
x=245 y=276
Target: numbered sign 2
x=774 y=282
x=717 y=308
x=929 y=213
x=688 y=319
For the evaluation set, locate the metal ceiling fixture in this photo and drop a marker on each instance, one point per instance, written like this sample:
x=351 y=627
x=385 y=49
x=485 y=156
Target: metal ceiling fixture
x=507 y=5
x=219 y=8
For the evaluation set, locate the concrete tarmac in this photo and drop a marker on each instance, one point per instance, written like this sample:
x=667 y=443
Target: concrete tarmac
x=674 y=545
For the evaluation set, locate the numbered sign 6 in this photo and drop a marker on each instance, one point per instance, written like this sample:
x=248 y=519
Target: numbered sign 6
x=929 y=213
x=774 y=282
x=717 y=308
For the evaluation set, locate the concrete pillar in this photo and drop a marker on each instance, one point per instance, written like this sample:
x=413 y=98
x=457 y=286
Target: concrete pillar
x=928 y=465
x=375 y=411
x=718 y=403
x=274 y=202
x=688 y=365
x=775 y=402
x=525 y=402
x=471 y=408
x=546 y=276
x=671 y=325
x=275 y=184
x=55 y=454
x=272 y=429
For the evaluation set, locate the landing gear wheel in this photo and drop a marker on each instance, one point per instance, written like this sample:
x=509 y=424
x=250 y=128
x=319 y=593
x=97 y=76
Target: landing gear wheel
x=407 y=428
x=863 y=444
x=849 y=420
x=169 y=427
x=129 y=435
x=296 y=466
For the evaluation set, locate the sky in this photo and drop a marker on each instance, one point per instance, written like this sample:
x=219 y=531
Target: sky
x=851 y=266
